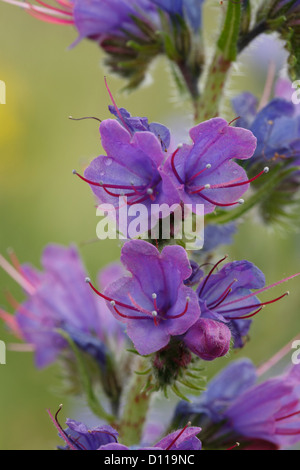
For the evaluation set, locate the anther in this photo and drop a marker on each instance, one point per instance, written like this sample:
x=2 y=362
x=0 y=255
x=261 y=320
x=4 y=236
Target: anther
x=241 y=201
x=150 y=191
x=266 y=169
x=154 y=296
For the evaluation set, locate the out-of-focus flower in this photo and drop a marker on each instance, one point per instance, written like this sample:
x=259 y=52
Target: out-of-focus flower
x=132 y=32
x=191 y=9
x=283 y=16
x=276 y=126
x=216 y=235
x=78 y=437
x=58 y=298
x=154 y=303
x=259 y=416
x=205 y=172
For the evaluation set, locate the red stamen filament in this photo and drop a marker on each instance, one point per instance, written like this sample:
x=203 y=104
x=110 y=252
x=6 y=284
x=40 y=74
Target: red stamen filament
x=246 y=316
x=237 y=444
x=220 y=204
x=57 y=10
x=173 y=165
x=60 y=429
x=129 y=317
x=178 y=436
x=120 y=304
x=111 y=186
x=260 y=291
x=262 y=304
x=225 y=295
x=116 y=107
x=234 y=185
x=288 y=416
x=208 y=166
x=171 y=317
x=210 y=273
x=235 y=119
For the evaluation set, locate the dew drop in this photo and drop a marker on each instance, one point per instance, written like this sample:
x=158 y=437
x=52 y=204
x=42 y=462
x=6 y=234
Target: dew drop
x=108 y=161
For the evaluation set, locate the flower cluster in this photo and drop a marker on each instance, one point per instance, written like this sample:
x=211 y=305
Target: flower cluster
x=264 y=416
x=165 y=312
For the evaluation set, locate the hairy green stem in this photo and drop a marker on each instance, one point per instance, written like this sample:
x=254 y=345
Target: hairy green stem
x=136 y=408
x=226 y=53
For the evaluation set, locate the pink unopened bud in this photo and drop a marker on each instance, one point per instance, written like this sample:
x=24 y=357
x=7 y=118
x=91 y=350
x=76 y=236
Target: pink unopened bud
x=208 y=339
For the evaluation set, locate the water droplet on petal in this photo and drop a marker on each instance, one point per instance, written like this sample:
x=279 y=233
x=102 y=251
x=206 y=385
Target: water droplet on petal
x=108 y=161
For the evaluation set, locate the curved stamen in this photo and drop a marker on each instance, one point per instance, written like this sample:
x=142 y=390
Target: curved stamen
x=220 y=204
x=233 y=120
x=222 y=297
x=57 y=10
x=173 y=317
x=84 y=118
x=117 y=195
x=178 y=436
x=11 y=322
x=138 y=307
x=116 y=107
x=261 y=290
x=60 y=429
x=109 y=299
x=246 y=316
x=138 y=201
x=234 y=185
x=262 y=304
x=173 y=164
x=17 y=276
x=210 y=273
x=48 y=18
x=288 y=416
x=128 y=317
x=110 y=186
x=237 y=444
x=208 y=166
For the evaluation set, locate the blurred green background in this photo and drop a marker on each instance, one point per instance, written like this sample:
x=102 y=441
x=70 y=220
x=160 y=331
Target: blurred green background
x=41 y=201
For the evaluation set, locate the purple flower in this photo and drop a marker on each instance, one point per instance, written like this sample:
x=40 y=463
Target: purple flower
x=205 y=172
x=78 y=437
x=266 y=415
x=57 y=297
x=227 y=297
x=132 y=169
x=276 y=127
x=137 y=124
x=153 y=302
x=216 y=235
x=208 y=339
x=191 y=9
x=184 y=439
x=99 y=19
